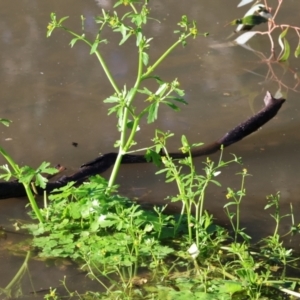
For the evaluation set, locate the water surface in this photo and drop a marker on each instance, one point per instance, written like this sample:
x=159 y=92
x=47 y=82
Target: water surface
x=54 y=93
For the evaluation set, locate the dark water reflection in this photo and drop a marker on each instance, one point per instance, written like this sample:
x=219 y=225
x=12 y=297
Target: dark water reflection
x=54 y=96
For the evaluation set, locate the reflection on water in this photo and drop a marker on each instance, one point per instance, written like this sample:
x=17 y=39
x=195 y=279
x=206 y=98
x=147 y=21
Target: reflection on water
x=54 y=96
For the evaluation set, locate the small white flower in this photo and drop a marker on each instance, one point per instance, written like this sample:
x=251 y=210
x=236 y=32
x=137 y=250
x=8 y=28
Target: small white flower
x=193 y=251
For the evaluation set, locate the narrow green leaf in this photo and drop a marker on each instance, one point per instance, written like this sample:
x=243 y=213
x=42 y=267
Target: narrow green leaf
x=5 y=122
x=251 y=20
x=281 y=43
x=145 y=58
x=215 y=182
x=139 y=38
x=62 y=19
x=118 y=3
x=286 y=53
x=73 y=41
x=111 y=99
x=172 y=105
x=124 y=39
x=229 y=204
x=181 y=100
x=297 y=51
x=184 y=141
x=162 y=89
x=145 y=91
x=152 y=112
x=53 y=16
x=94 y=47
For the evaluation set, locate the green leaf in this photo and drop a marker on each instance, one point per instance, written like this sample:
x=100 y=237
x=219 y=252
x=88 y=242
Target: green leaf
x=297 y=51
x=112 y=99
x=215 y=182
x=153 y=156
x=40 y=181
x=73 y=41
x=286 y=53
x=162 y=89
x=145 y=58
x=152 y=112
x=172 y=105
x=118 y=3
x=124 y=39
x=53 y=17
x=145 y=91
x=184 y=141
x=5 y=122
x=125 y=31
x=229 y=204
x=139 y=38
x=251 y=20
x=181 y=100
x=284 y=45
x=8 y=173
x=62 y=20
x=44 y=168
x=27 y=175
x=94 y=47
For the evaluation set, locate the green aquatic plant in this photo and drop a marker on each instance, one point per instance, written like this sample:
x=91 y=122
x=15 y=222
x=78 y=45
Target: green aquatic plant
x=131 y=25
x=29 y=177
x=191 y=185
x=235 y=198
x=13 y=289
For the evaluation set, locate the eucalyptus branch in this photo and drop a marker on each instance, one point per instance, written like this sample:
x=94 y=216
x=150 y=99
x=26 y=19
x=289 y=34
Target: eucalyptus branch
x=260 y=13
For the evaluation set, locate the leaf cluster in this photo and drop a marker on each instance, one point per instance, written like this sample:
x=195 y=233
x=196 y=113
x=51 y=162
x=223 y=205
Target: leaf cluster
x=85 y=222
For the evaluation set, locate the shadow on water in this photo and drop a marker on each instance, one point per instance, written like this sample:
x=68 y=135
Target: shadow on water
x=54 y=96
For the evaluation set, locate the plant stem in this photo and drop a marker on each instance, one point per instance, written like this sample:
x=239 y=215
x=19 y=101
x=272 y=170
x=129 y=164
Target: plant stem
x=156 y=64
x=124 y=146
x=100 y=58
x=26 y=185
x=19 y=274
x=33 y=202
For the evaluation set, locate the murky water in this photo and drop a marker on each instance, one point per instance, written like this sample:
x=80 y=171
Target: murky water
x=54 y=96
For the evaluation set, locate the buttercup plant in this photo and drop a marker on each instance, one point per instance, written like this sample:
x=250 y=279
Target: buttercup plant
x=131 y=26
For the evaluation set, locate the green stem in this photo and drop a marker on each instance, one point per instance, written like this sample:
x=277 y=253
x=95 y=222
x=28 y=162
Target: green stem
x=10 y=160
x=33 y=202
x=26 y=185
x=124 y=146
x=164 y=55
x=238 y=208
x=19 y=274
x=100 y=58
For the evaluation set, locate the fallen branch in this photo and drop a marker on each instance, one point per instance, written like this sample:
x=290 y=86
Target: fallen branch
x=15 y=189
